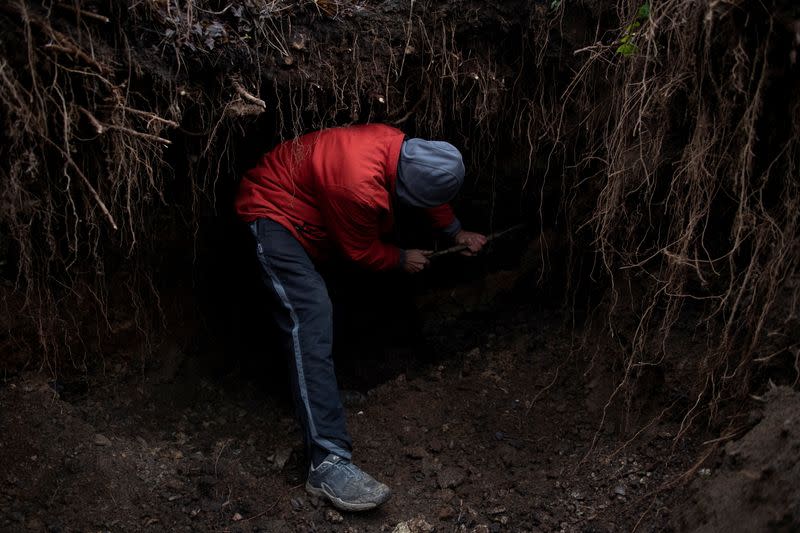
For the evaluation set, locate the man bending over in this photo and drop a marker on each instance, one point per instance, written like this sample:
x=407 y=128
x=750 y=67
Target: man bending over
x=329 y=193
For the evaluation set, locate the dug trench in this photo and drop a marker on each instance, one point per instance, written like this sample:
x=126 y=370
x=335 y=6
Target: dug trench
x=546 y=385
x=493 y=432
x=485 y=421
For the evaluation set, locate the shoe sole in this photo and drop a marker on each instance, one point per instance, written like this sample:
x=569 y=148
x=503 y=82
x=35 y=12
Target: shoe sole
x=340 y=503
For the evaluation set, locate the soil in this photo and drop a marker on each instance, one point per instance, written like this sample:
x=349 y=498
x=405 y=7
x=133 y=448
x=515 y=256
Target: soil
x=754 y=485
x=496 y=434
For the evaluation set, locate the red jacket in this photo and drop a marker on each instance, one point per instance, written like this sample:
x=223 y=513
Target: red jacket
x=333 y=189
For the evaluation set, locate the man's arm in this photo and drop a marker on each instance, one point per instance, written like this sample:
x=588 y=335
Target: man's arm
x=444 y=220
x=354 y=223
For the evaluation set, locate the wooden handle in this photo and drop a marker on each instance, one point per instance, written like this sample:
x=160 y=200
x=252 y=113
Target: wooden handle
x=462 y=247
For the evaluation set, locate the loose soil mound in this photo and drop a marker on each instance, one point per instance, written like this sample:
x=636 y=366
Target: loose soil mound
x=755 y=487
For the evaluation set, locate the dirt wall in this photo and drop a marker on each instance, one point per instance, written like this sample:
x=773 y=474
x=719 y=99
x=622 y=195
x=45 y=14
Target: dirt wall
x=655 y=146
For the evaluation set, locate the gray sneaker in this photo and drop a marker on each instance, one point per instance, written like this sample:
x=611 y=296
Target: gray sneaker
x=346 y=486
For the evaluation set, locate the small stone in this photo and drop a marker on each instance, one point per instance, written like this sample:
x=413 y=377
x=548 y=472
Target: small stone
x=314 y=501
x=451 y=477
x=237 y=517
x=415 y=525
x=415 y=452
x=298 y=42
x=445 y=495
x=447 y=512
x=619 y=490
x=297 y=503
x=499 y=435
x=101 y=440
x=281 y=457
x=174 y=484
x=333 y=517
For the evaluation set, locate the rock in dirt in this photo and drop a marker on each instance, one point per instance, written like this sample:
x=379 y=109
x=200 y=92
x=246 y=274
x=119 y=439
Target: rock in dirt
x=451 y=477
x=447 y=512
x=281 y=457
x=101 y=440
x=415 y=452
x=415 y=525
x=174 y=484
x=334 y=517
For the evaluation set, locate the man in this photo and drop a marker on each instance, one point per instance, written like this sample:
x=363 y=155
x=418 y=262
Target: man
x=332 y=192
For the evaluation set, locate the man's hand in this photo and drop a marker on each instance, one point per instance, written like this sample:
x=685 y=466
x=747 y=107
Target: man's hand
x=416 y=261
x=473 y=241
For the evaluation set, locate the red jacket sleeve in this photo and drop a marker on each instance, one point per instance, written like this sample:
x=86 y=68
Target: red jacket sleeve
x=443 y=218
x=354 y=222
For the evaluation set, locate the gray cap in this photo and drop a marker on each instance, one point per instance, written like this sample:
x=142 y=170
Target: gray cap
x=429 y=173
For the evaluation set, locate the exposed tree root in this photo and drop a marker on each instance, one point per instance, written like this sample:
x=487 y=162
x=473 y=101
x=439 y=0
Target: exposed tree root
x=663 y=145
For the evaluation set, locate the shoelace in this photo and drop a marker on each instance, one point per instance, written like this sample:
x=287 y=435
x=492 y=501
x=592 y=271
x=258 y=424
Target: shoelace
x=351 y=470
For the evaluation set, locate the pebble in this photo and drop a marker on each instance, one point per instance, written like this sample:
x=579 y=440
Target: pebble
x=415 y=525
x=451 y=477
x=415 y=452
x=619 y=490
x=297 y=503
x=446 y=513
x=101 y=440
x=174 y=484
x=333 y=517
x=445 y=495
x=281 y=457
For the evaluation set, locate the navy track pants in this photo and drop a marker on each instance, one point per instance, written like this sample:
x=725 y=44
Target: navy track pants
x=302 y=310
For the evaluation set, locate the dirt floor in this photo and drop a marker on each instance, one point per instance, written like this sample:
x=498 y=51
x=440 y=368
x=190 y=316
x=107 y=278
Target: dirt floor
x=469 y=442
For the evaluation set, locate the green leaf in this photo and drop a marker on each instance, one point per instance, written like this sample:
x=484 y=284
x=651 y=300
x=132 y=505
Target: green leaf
x=644 y=11
x=627 y=49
